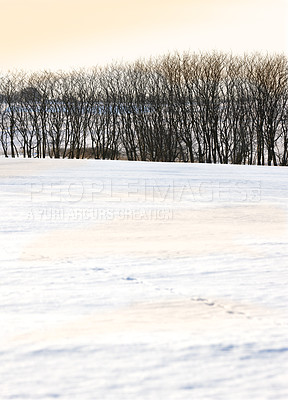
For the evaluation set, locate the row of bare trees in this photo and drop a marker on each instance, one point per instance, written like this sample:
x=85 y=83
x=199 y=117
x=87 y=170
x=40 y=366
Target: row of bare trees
x=214 y=108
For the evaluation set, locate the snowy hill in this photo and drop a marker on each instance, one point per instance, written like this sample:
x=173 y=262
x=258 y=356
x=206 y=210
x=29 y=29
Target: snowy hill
x=133 y=280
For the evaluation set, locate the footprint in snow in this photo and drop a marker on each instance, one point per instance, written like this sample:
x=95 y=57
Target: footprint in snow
x=131 y=279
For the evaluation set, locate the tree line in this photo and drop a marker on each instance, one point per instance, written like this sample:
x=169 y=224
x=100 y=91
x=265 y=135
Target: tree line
x=191 y=107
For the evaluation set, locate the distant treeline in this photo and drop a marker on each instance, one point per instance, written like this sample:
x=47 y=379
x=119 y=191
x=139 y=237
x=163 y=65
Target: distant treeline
x=211 y=108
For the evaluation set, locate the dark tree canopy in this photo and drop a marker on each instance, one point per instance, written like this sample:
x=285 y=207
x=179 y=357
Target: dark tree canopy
x=214 y=108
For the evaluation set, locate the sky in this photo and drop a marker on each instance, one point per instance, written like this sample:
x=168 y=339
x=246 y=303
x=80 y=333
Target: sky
x=68 y=34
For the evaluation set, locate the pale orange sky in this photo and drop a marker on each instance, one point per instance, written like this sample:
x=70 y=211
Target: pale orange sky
x=66 y=34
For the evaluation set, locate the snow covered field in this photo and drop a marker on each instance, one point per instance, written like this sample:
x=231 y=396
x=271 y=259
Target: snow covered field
x=123 y=280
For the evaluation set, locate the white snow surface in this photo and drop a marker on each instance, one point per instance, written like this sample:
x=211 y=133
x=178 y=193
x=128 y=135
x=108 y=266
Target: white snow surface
x=132 y=280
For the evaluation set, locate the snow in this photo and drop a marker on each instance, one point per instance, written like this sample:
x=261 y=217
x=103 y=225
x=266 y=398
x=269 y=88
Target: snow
x=134 y=280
